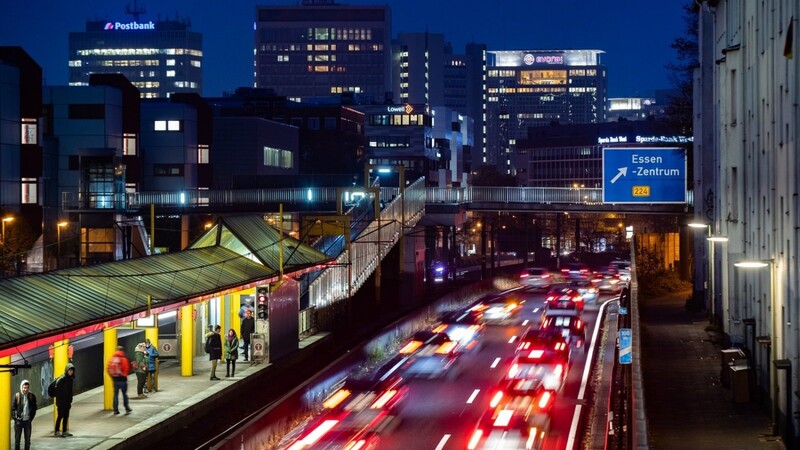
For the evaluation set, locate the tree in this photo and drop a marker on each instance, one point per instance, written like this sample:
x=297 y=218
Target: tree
x=679 y=107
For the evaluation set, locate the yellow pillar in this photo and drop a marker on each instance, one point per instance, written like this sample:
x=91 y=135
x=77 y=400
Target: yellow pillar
x=109 y=347
x=60 y=360
x=236 y=321
x=5 y=399
x=223 y=321
x=152 y=334
x=187 y=340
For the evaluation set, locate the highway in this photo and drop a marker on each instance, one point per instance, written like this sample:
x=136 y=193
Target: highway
x=442 y=413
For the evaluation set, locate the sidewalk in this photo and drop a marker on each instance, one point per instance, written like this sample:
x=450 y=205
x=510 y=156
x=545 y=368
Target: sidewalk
x=686 y=406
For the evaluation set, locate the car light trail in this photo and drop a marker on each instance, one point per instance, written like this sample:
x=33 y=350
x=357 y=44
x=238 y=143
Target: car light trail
x=472 y=397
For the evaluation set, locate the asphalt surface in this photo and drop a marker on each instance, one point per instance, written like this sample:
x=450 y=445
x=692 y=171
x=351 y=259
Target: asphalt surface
x=687 y=405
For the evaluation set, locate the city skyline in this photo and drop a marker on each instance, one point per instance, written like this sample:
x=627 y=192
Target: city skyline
x=42 y=28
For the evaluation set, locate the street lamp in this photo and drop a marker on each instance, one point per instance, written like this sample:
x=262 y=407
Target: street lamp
x=3 y=237
x=59 y=225
x=773 y=378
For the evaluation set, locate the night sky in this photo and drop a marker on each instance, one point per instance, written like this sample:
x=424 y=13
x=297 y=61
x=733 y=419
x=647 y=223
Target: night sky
x=636 y=35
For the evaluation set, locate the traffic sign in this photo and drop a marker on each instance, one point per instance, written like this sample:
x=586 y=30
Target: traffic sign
x=625 y=346
x=644 y=175
x=623 y=311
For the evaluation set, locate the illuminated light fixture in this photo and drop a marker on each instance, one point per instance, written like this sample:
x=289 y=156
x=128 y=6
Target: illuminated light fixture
x=336 y=399
x=697 y=224
x=309 y=195
x=383 y=399
x=717 y=239
x=751 y=264
x=384 y=170
x=503 y=418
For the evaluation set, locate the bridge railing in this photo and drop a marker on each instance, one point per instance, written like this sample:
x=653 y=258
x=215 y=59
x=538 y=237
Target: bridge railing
x=354 y=266
x=485 y=194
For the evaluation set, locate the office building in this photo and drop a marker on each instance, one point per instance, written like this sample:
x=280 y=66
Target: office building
x=158 y=57
x=532 y=88
x=321 y=48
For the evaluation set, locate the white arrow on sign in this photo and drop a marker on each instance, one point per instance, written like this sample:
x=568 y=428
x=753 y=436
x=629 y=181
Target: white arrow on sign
x=623 y=171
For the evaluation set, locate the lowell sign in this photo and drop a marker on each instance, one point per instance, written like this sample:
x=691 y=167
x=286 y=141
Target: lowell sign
x=644 y=175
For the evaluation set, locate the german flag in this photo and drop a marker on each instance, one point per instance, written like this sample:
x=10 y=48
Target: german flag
x=787 y=46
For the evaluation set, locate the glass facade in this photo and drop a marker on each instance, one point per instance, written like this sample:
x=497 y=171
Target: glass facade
x=159 y=58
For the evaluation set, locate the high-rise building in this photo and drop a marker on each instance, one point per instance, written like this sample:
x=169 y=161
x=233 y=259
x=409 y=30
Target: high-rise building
x=321 y=48
x=531 y=88
x=159 y=58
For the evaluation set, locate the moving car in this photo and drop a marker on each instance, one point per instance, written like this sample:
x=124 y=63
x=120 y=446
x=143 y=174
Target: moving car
x=355 y=415
x=575 y=271
x=465 y=327
x=514 y=421
x=498 y=310
x=568 y=323
x=429 y=354
x=537 y=277
x=537 y=342
x=564 y=298
x=608 y=280
x=529 y=372
x=588 y=291
x=624 y=269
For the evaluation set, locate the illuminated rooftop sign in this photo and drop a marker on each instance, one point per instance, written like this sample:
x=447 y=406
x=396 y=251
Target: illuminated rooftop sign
x=130 y=26
x=645 y=139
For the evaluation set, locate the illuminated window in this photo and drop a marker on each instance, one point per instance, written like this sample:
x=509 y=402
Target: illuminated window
x=160 y=125
x=170 y=62
x=29 y=132
x=274 y=157
x=170 y=73
x=195 y=63
x=202 y=154
x=168 y=170
x=29 y=191
x=174 y=125
x=129 y=144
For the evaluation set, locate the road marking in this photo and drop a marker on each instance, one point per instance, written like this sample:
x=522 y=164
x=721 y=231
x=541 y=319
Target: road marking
x=574 y=427
x=513 y=338
x=442 y=442
x=525 y=323
x=472 y=397
x=495 y=363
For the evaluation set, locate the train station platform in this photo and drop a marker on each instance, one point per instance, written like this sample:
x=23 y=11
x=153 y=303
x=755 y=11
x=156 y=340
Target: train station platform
x=95 y=428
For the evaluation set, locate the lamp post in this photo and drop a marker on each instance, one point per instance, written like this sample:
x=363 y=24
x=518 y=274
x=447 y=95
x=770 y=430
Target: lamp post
x=773 y=378
x=3 y=237
x=59 y=225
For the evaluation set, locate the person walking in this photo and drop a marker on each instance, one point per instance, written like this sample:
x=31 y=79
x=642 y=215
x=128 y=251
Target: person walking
x=63 y=399
x=140 y=369
x=118 y=368
x=231 y=352
x=23 y=410
x=214 y=350
x=246 y=330
x=152 y=365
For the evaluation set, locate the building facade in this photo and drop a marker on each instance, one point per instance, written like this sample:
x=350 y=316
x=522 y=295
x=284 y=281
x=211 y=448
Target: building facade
x=159 y=57
x=535 y=88
x=746 y=167
x=321 y=48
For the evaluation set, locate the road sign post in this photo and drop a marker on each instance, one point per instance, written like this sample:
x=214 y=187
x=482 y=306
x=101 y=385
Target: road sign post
x=625 y=346
x=644 y=175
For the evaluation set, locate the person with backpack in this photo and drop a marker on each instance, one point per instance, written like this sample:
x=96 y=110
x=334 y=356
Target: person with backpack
x=118 y=368
x=152 y=365
x=214 y=349
x=139 y=367
x=23 y=410
x=61 y=391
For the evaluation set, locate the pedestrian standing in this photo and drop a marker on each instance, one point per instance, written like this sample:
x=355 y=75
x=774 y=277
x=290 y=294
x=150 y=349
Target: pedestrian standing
x=214 y=349
x=140 y=369
x=118 y=368
x=152 y=365
x=63 y=399
x=247 y=329
x=231 y=352
x=23 y=410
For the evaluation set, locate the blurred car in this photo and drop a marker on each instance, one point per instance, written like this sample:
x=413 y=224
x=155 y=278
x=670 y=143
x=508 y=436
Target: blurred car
x=624 y=269
x=429 y=354
x=537 y=277
x=529 y=372
x=514 y=421
x=355 y=415
x=498 y=310
x=586 y=289
x=608 y=280
x=564 y=298
x=465 y=327
x=568 y=323
x=575 y=271
x=537 y=342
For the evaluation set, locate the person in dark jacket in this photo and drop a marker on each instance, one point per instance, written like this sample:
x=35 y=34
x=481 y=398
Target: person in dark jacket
x=152 y=365
x=231 y=352
x=63 y=401
x=141 y=369
x=247 y=329
x=23 y=410
x=214 y=346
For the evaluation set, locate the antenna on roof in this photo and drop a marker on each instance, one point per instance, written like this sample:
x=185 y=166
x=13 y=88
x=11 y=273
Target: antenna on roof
x=135 y=11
